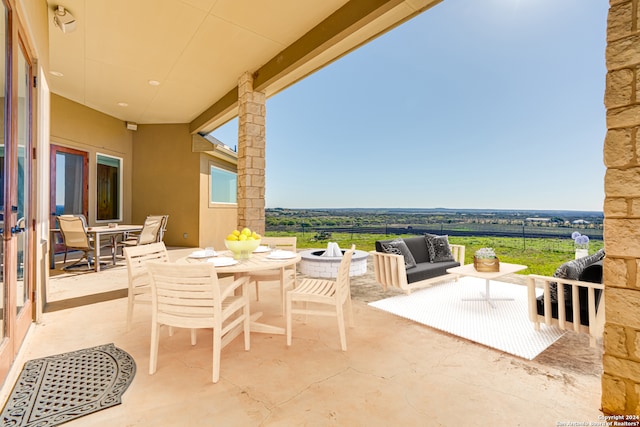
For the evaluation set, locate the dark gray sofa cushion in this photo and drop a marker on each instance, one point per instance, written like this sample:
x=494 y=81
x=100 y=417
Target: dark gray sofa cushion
x=427 y=270
x=592 y=273
x=417 y=246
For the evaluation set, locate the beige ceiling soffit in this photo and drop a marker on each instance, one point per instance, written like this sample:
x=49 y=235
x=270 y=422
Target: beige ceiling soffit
x=349 y=18
x=344 y=21
x=353 y=16
x=334 y=52
x=219 y=150
x=223 y=110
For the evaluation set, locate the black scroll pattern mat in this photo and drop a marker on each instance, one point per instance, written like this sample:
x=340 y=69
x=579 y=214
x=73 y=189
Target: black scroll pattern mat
x=55 y=389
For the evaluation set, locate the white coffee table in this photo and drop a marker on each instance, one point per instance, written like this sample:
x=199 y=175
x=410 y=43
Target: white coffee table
x=469 y=270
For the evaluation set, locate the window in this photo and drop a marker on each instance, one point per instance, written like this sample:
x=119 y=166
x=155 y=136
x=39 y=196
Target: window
x=109 y=170
x=224 y=185
x=69 y=171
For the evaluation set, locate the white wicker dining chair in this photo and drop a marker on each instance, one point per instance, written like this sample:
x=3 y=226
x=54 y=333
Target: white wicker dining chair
x=139 y=281
x=189 y=296
x=331 y=297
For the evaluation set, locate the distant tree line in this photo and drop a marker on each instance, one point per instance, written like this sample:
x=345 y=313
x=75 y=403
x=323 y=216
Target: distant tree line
x=460 y=224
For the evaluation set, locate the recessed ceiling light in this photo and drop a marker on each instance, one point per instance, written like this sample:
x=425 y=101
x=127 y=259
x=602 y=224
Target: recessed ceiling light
x=56 y=73
x=154 y=83
x=123 y=104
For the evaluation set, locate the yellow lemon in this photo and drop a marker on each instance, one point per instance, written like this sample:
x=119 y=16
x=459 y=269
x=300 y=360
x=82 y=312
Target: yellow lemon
x=232 y=237
x=242 y=237
x=235 y=232
x=246 y=231
x=255 y=235
x=251 y=238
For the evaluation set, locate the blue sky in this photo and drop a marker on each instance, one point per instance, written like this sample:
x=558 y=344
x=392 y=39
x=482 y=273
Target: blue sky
x=491 y=105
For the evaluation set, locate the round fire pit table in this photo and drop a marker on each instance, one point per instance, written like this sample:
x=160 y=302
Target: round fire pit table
x=315 y=264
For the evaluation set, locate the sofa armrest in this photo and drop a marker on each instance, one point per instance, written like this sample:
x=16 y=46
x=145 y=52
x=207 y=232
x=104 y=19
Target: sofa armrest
x=458 y=253
x=389 y=269
x=535 y=281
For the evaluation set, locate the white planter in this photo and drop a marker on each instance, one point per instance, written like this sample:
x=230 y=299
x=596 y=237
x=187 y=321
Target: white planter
x=581 y=253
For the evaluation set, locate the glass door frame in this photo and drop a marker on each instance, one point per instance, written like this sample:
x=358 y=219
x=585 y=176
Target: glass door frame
x=17 y=323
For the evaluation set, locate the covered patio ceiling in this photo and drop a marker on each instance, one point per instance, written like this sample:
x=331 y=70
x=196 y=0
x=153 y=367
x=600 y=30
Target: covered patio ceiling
x=178 y=61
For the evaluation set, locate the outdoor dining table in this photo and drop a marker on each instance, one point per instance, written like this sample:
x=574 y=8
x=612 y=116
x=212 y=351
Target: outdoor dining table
x=97 y=233
x=257 y=262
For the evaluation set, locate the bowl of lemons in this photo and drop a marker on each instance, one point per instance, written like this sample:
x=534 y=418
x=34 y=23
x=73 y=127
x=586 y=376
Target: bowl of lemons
x=242 y=243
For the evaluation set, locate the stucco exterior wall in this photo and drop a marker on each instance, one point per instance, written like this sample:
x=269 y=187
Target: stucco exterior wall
x=621 y=360
x=76 y=126
x=166 y=181
x=216 y=221
x=169 y=178
x=161 y=174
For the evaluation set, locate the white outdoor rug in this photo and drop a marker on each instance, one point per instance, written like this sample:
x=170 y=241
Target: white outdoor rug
x=506 y=327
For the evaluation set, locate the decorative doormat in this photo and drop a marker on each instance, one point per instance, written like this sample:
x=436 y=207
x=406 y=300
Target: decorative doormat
x=60 y=388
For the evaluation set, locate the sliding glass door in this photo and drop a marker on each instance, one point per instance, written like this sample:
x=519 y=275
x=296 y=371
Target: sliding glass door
x=16 y=264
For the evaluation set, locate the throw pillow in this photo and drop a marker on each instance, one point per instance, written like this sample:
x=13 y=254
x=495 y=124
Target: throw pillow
x=399 y=247
x=572 y=270
x=439 y=249
x=430 y=249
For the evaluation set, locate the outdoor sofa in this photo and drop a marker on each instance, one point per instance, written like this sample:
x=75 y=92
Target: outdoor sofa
x=415 y=262
x=580 y=307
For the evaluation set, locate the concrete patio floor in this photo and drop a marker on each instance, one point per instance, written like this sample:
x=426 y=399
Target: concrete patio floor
x=395 y=372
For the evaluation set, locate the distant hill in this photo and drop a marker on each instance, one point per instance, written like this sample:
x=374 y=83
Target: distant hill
x=576 y=214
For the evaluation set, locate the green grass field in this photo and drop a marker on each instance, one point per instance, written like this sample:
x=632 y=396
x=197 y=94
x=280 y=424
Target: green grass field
x=542 y=256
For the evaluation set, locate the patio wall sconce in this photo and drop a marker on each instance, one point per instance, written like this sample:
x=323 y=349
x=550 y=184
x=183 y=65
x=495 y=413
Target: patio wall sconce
x=64 y=20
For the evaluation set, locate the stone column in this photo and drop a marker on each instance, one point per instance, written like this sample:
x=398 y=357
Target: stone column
x=621 y=359
x=251 y=155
